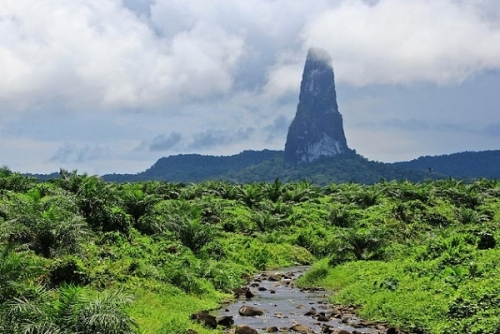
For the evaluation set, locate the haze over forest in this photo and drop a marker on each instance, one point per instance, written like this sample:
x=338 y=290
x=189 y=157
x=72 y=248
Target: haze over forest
x=111 y=86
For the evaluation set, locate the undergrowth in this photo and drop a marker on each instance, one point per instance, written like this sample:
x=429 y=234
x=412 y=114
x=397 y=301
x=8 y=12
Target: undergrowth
x=419 y=256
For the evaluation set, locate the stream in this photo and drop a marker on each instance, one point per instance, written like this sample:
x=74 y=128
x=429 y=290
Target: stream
x=285 y=307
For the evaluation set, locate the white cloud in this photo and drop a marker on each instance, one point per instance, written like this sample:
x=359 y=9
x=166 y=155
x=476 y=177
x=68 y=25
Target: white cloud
x=212 y=67
x=405 y=41
x=284 y=77
x=92 y=53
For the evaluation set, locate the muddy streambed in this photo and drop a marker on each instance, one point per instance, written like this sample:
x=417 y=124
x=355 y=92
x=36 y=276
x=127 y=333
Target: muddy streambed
x=285 y=307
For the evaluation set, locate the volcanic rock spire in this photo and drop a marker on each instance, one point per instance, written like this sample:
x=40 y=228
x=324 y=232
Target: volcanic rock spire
x=317 y=128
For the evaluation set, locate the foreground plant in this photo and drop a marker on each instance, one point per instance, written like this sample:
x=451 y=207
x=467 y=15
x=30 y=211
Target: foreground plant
x=69 y=310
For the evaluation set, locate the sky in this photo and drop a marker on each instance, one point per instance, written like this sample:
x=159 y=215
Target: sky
x=111 y=86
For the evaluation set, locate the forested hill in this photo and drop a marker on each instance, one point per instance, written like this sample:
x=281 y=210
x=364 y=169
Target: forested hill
x=348 y=167
x=196 y=167
x=484 y=164
x=266 y=166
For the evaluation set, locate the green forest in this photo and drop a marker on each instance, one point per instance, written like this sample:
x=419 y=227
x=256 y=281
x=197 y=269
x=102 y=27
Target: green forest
x=82 y=255
x=266 y=166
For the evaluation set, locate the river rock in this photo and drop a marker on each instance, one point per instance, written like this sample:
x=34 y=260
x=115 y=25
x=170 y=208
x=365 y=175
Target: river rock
x=225 y=321
x=312 y=311
x=301 y=329
x=205 y=318
x=321 y=316
x=249 y=294
x=341 y=331
x=274 y=277
x=244 y=329
x=391 y=330
x=249 y=311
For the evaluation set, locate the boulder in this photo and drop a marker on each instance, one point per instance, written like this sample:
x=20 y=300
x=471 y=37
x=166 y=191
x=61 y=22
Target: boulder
x=205 y=318
x=302 y=329
x=249 y=311
x=244 y=329
x=225 y=321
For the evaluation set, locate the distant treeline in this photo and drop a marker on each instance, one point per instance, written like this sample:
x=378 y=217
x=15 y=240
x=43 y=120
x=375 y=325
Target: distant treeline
x=268 y=165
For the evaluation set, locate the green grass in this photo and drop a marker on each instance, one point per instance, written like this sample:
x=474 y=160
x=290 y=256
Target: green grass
x=424 y=295
x=419 y=256
x=166 y=309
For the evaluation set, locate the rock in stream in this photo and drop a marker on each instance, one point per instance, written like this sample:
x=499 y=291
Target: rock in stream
x=271 y=303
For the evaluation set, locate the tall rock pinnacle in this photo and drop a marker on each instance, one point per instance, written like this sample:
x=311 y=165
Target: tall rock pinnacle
x=317 y=128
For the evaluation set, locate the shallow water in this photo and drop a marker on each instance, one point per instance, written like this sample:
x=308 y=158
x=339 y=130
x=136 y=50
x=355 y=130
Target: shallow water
x=286 y=306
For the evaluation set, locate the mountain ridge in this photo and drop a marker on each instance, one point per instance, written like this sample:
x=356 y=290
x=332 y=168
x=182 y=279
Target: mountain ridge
x=267 y=165
x=466 y=164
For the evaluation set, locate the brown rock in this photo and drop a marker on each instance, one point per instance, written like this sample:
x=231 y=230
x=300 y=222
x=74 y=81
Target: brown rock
x=272 y=329
x=312 y=311
x=249 y=311
x=391 y=330
x=301 y=329
x=279 y=315
x=274 y=277
x=249 y=294
x=341 y=331
x=322 y=317
x=204 y=318
x=356 y=324
x=327 y=329
x=239 y=291
x=367 y=323
x=244 y=329
x=225 y=321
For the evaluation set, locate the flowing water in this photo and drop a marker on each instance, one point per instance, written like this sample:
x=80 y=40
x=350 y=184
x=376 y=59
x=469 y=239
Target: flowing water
x=285 y=305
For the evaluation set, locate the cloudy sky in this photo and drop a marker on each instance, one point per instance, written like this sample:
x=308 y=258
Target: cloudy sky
x=108 y=86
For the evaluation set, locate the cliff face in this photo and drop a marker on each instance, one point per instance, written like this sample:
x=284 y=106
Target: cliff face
x=317 y=129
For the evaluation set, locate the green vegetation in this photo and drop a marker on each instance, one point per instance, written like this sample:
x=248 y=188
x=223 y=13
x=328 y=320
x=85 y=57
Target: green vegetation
x=421 y=257
x=266 y=166
x=459 y=165
x=78 y=254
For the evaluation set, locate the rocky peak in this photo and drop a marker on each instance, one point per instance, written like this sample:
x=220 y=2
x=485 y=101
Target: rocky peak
x=317 y=128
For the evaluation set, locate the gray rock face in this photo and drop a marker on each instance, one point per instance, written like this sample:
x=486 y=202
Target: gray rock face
x=317 y=129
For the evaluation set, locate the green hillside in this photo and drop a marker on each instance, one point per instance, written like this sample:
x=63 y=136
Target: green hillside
x=265 y=166
x=459 y=165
